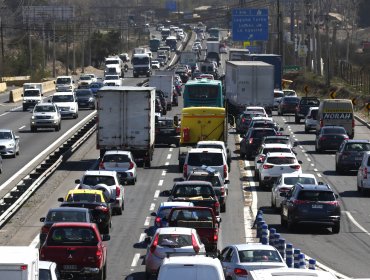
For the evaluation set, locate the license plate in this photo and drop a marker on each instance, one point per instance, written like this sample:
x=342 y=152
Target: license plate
x=317 y=206
x=69 y=267
x=358 y=158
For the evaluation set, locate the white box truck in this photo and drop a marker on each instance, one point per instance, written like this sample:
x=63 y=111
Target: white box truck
x=126 y=121
x=249 y=83
x=163 y=80
x=19 y=263
x=32 y=94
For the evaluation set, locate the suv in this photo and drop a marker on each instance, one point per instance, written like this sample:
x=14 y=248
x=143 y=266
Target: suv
x=350 y=154
x=288 y=105
x=217 y=145
x=45 y=115
x=310 y=121
x=311 y=204
x=304 y=105
x=67 y=103
x=252 y=140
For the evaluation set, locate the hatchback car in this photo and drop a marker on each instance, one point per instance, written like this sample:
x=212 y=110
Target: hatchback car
x=363 y=174
x=311 y=204
x=330 y=138
x=171 y=240
x=9 y=143
x=287 y=105
x=310 y=121
x=251 y=142
x=85 y=98
x=237 y=260
x=350 y=154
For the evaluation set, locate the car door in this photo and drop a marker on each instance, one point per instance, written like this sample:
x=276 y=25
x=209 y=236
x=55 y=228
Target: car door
x=227 y=266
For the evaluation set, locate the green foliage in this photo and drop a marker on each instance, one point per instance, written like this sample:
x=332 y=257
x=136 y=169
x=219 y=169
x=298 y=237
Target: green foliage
x=103 y=45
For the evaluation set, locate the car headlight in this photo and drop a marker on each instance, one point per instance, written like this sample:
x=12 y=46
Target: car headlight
x=91 y=99
x=33 y=117
x=10 y=144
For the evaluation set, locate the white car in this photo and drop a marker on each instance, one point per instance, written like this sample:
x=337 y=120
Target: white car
x=112 y=80
x=67 y=103
x=310 y=121
x=276 y=164
x=217 y=145
x=256 y=109
x=285 y=182
x=122 y=162
x=363 y=174
x=264 y=150
x=290 y=92
x=278 y=95
x=156 y=64
x=9 y=143
x=48 y=271
x=45 y=115
x=108 y=182
x=85 y=80
x=93 y=77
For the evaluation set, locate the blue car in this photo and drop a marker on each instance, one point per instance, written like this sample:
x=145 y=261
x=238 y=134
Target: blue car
x=95 y=87
x=164 y=209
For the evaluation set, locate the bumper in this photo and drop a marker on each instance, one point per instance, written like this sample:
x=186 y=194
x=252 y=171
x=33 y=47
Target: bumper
x=44 y=123
x=7 y=151
x=349 y=165
x=86 y=104
x=67 y=113
x=327 y=221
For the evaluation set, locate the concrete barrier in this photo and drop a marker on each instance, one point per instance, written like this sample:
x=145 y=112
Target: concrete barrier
x=3 y=87
x=16 y=94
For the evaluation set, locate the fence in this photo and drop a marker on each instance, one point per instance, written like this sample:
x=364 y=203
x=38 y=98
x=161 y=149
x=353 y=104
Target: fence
x=359 y=78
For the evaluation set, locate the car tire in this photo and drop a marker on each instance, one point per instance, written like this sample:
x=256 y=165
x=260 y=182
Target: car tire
x=338 y=169
x=13 y=155
x=106 y=229
x=306 y=130
x=297 y=120
x=223 y=208
x=336 y=228
x=75 y=116
x=119 y=210
x=17 y=152
x=33 y=129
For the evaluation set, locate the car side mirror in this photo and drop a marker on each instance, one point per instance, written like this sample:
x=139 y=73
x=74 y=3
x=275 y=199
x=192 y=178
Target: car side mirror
x=42 y=219
x=153 y=214
x=77 y=181
x=105 y=237
x=166 y=193
x=61 y=199
x=227 y=182
x=300 y=162
x=281 y=129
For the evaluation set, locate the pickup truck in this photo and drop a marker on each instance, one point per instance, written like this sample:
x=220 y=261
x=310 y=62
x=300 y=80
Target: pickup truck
x=303 y=106
x=77 y=249
x=200 y=193
x=202 y=219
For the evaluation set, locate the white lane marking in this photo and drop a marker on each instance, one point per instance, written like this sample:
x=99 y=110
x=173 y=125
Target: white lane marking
x=356 y=223
x=316 y=170
x=169 y=156
x=135 y=260
x=142 y=237
x=42 y=154
x=164 y=172
x=171 y=149
x=147 y=221
x=319 y=175
x=23 y=126
x=167 y=163
x=156 y=194
x=312 y=164
x=152 y=206
x=308 y=159
x=289 y=129
x=160 y=183
x=35 y=242
x=303 y=151
x=301 y=146
x=3 y=114
x=250 y=212
x=291 y=132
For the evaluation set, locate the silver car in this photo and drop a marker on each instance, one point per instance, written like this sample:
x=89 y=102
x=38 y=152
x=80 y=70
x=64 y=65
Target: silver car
x=9 y=143
x=310 y=122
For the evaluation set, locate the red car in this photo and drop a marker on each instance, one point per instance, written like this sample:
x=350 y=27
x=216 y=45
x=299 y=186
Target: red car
x=77 y=249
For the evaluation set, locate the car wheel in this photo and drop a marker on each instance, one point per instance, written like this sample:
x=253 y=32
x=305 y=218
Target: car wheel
x=33 y=129
x=123 y=205
x=242 y=155
x=336 y=228
x=101 y=274
x=17 y=153
x=306 y=130
x=132 y=182
x=297 y=120
x=223 y=208
x=106 y=229
x=75 y=116
x=119 y=210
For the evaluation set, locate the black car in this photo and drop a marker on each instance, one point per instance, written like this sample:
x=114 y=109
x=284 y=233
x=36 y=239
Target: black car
x=244 y=119
x=304 y=105
x=287 y=105
x=183 y=73
x=85 y=98
x=251 y=142
x=158 y=106
x=166 y=132
x=159 y=94
x=310 y=204
x=330 y=138
x=350 y=154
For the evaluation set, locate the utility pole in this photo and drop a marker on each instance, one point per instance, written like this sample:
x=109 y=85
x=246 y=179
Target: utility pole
x=67 y=48
x=54 y=56
x=89 y=40
x=74 y=48
x=43 y=47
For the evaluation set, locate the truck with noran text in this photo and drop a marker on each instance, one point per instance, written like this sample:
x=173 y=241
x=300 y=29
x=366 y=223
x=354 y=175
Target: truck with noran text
x=19 y=263
x=126 y=121
x=32 y=94
x=163 y=81
x=249 y=83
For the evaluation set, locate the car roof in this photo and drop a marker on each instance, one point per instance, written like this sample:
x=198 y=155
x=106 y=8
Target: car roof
x=324 y=187
x=211 y=142
x=195 y=182
x=87 y=191
x=117 y=152
x=171 y=230
x=255 y=246
x=5 y=130
x=281 y=155
x=175 y=204
x=205 y=150
x=68 y=209
x=191 y=260
x=100 y=172
x=45 y=104
x=73 y=224
x=276 y=145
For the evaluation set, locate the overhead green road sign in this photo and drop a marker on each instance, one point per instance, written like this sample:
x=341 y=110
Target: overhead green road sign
x=291 y=69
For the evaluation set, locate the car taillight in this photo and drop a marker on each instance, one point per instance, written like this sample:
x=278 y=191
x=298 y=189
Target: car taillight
x=240 y=272
x=321 y=123
x=225 y=170
x=215 y=234
x=323 y=138
x=332 y=203
x=243 y=120
x=346 y=138
x=24 y=267
x=267 y=166
x=99 y=254
x=118 y=191
x=131 y=165
x=195 y=244
x=45 y=229
x=299 y=202
x=365 y=173
x=250 y=140
x=158 y=221
x=103 y=209
x=222 y=191
x=261 y=158
x=185 y=170
x=154 y=244
x=217 y=207
x=101 y=165
x=296 y=167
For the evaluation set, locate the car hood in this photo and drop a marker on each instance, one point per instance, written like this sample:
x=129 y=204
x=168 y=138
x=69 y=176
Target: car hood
x=65 y=104
x=6 y=141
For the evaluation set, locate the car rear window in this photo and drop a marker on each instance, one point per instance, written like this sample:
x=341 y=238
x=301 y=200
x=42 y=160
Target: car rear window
x=334 y=130
x=280 y=160
x=276 y=140
x=93 y=180
x=264 y=124
x=259 y=256
x=116 y=158
x=357 y=147
x=263 y=133
x=310 y=102
x=209 y=159
x=192 y=191
x=314 y=114
x=73 y=236
x=276 y=150
x=214 y=180
x=291 y=100
x=311 y=195
x=66 y=216
x=302 y=180
x=89 y=197
x=174 y=240
x=192 y=215
x=278 y=94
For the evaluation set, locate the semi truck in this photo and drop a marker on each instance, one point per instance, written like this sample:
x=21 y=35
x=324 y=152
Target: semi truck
x=249 y=83
x=126 y=121
x=213 y=51
x=141 y=65
x=154 y=44
x=163 y=81
x=32 y=94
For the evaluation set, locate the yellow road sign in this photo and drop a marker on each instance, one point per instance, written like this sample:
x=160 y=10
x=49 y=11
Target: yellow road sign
x=333 y=94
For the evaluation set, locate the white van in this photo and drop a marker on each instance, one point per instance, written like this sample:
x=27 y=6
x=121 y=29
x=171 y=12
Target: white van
x=191 y=267
x=337 y=112
x=64 y=83
x=290 y=274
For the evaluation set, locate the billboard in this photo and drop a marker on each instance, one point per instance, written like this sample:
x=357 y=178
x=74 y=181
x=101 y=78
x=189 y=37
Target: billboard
x=250 y=24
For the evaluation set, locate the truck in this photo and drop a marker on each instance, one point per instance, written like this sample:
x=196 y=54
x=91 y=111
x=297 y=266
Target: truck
x=163 y=81
x=141 y=65
x=249 y=83
x=189 y=58
x=32 y=94
x=154 y=44
x=117 y=63
x=213 y=51
x=126 y=121
x=19 y=263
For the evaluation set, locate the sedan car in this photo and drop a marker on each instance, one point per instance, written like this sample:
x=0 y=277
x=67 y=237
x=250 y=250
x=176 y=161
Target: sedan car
x=350 y=154
x=9 y=143
x=287 y=105
x=173 y=240
x=85 y=98
x=252 y=140
x=237 y=260
x=330 y=138
x=95 y=87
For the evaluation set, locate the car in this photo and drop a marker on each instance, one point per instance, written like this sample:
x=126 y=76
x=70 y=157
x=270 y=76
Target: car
x=160 y=94
x=112 y=80
x=161 y=216
x=9 y=143
x=183 y=73
x=291 y=274
x=278 y=95
x=122 y=162
x=310 y=121
x=85 y=80
x=124 y=57
x=48 y=271
x=256 y=109
x=95 y=87
x=109 y=183
x=85 y=98
x=276 y=164
x=264 y=150
x=96 y=200
x=156 y=64
x=93 y=77
x=363 y=174
x=161 y=60
x=349 y=155
x=239 y=259
x=244 y=119
x=63 y=214
x=287 y=105
x=45 y=115
x=219 y=185
x=174 y=240
x=260 y=122
x=166 y=131
x=312 y=205
x=67 y=104
x=330 y=138
x=251 y=141
x=217 y=145
x=285 y=182
x=279 y=139
x=304 y=105
x=290 y=92
x=206 y=76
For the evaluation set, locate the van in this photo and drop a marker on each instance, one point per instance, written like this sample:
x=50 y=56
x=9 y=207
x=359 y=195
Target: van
x=191 y=267
x=64 y=83
x=290 y=274
x=338 y=112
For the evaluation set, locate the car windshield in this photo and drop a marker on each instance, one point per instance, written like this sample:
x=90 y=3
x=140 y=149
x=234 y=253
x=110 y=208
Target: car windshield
x=111 y=61
x=263 y=124
x=85 y=78
x=63 y=81
x=111 y=77
x=334 y=130
x=31 y=92
x=46 y=108
x=66 y=216
x=210 y=146
x=310 y=102
x=209 y=159
x=62 y=98
x=116 y=158
x=73 y=235
x=83 y=93
x=5 y=135
x=214 y=180
x=302 y=180
x=276 y=141
x=192 y=191
x=357 y=147
x=164 y=123
x=310 y=195
x=93 y=180
x=89 y=197
x=280 y=160
x=174 y=240
x=259 y=256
